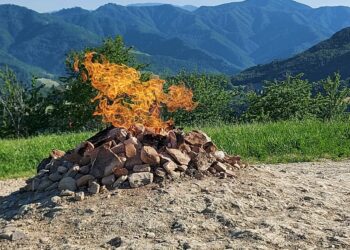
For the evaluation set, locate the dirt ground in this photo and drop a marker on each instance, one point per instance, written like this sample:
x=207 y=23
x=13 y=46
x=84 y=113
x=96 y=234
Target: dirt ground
x=292 y=206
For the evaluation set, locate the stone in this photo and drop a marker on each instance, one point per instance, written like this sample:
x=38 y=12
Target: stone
x=142 y=168
x=164 y=157
x=131 y=162
x=72 y=172
x=220 y=167
x=85 y=169
x=132 y=140
x=120 y=172
x=33 y=185
x=18 y=235
x=108 y=180
x=44 y=183
x=67 y=183
x=94 y=188
x=62 y=170
x=140 y=179
x=150 y=156
x=80 y=196
x=84 y=180
x=105 y=162
x=210 y=147
x=56 y=199
x=174 y=175
x=197 y=138
x=54 y=186
x=85 y=160
x=120 y=181
x=121 y=134
x=73 y=157
x=202 y=161
x=118 y=149
x=219 y=155
x=56 y=154
x=103 y=190
x=179 y=157
x=170 y=167
x=130 y=150
x=182 y=168
x=231 y=174
x=67 y=193
x=172 y=139
x=55 y=177
x=160 y=172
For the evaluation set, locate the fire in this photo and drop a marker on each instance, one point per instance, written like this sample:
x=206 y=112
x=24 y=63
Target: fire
x=125 y=101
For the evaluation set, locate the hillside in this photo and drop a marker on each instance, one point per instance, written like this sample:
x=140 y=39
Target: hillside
x=316 y=63
x=227 y=38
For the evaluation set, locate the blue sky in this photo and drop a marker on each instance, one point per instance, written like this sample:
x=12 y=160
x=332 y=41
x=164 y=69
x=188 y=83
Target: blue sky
x=52 y=5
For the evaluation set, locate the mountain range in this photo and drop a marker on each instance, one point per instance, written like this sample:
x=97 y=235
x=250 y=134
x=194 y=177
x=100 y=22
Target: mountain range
x=318 y=62
x=227 y=38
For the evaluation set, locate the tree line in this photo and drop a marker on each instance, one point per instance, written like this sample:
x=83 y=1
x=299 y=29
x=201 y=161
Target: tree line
x=27 y=110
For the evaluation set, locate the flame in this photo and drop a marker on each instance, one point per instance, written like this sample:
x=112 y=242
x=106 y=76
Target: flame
x=125 y=101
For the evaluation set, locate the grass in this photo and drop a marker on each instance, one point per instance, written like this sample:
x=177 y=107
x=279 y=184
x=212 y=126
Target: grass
x=257 y=143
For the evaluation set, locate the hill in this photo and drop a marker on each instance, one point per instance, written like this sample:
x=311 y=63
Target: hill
x=316 y=63
x=227 y=38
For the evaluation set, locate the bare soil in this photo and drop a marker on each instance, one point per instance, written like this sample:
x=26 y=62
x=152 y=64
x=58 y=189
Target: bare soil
x=287 y=206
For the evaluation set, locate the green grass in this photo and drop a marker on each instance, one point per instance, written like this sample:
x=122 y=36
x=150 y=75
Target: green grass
x=262 y=143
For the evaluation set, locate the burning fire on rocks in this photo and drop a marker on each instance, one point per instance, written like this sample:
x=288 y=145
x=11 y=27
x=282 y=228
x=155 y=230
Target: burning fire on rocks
x=139 y=148
x=126 y=101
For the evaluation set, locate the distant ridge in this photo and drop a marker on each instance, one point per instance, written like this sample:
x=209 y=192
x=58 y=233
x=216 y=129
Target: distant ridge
x=320 y=61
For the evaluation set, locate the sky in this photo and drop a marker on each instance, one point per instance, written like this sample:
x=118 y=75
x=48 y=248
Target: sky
x=53 y=5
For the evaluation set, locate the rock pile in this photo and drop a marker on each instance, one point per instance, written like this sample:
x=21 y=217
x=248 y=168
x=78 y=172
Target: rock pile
x=116 y=158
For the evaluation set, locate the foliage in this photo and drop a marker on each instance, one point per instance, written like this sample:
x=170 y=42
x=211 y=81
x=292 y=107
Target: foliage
x=212 y=94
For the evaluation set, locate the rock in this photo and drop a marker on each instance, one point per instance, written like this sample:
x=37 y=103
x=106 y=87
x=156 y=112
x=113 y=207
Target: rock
x=178 y=156
x=73 y=157
x=72 y=172
x=115 y=242
x=150 y=156
x=160 y=172
x=55 y=176
x=108 y=180
x=44 y=183
x=170 y=167
x=56 y=200
x=85 y=161
x=62 y=170
x=172 y=139
x=79 y=196
x=105 y=162
x=84 y=180
x=132 y=140
x=121 y=134
x=54 y=186
x=164 y=158
x=142 y=168
x=220 y=167
x=182 y=168
x=197 y=138
x=56 y=154
x=174 y=175
x=67 y=193
x=120 y=172
x=219 y=155
x=85 y=169
x=67 y=183
x=18 y=235
x=202 y=161
x=103 y=190
x=118 y=149
x=130 y=150
x=120 y=181
x=131 y=162
x=94 y=188
x=140 y=179
x=33 y=184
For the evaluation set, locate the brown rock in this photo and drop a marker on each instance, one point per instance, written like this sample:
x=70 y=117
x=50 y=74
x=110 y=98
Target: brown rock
x=160 y=172
x=84 y=180
x=197 y=138
x=84 y=169
x=220 y=167
x=105 y=162
x=210 y=147
x=130 y=149
x=142 y=168
x=140 y=179
x=182 y=168
x=85 y=160
x=178 y=156
x=120 y=172
x=164 y=158
x=220 y=155
x=202 y=161
x=170 y=167
x=73 y=157
x=131 y=162
x=118 y=149
x=108 y=180
x=150 y=156
x=121 y=134
x=56 y=154
x=172 y=139
x=67 y=183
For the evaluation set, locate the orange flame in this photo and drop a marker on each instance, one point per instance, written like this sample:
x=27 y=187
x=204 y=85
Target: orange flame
x=125 y=101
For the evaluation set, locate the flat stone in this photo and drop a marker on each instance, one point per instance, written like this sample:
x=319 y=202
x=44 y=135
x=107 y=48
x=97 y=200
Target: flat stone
x=197 y=138
x=108 y=180
x=140 y=179
x=105 y=162
x=84 y=180
x=150 y=156
x=170 y=166
x=94 y=188
x=67 y=183
x=179 y=157
x=120 y=181
x=142 y=168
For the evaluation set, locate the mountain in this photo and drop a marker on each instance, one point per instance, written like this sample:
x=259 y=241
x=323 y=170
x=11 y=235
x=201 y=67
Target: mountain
x=185 y=7
x=316 y=63
x=227 y=38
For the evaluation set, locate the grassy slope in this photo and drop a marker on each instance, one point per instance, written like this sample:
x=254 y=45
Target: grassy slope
x=267 y=143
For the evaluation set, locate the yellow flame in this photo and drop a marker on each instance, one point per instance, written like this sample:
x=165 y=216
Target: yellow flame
x=125 y=101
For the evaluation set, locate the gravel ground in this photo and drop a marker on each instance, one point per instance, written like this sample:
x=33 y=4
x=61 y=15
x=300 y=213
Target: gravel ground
x=287 y=206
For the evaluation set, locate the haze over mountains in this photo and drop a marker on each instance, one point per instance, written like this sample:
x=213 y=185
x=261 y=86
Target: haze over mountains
x=226 y=38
